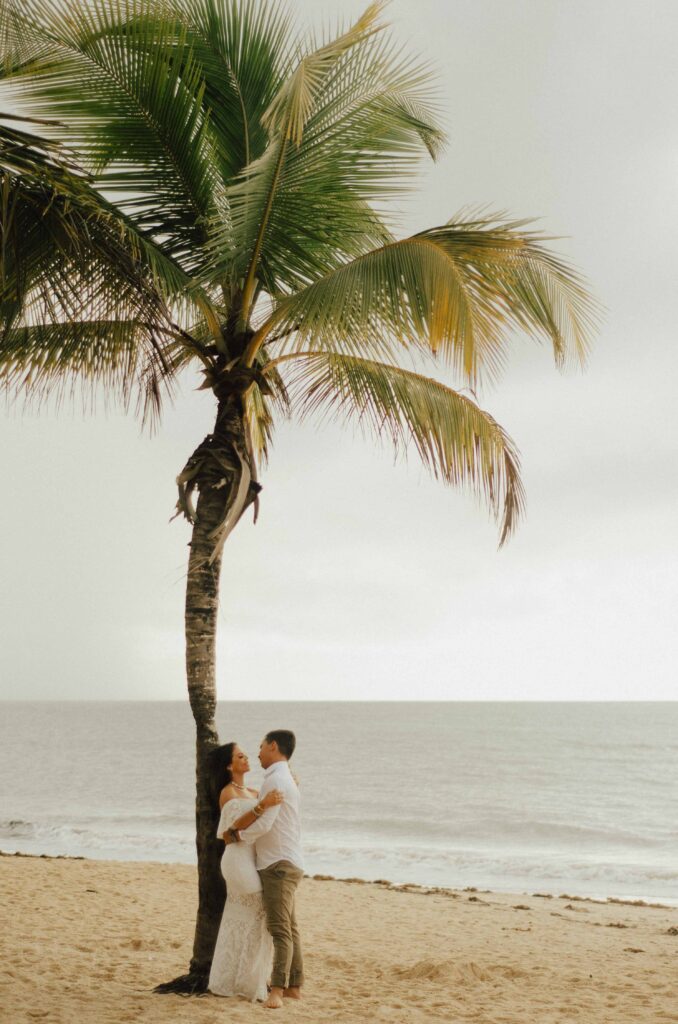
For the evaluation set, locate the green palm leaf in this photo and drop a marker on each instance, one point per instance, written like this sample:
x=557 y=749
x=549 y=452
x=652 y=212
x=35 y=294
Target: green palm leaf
x=243 y=50
x=350 y=120
x=285 y=118
x=82 y=293
x=47 y=179
x=291 y=109
x=458 y=290
x=113 y=358
x=455 y=439
x=17 y=46
x=122 y=79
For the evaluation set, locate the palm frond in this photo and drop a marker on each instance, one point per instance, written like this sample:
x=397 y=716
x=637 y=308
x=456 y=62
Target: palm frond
x=121 y=77
x=244 y=51
x=17 y=46
x=290 y=110
x=110 y=358
x=285 y=119
x=83 y=294
x=312 y=205
x=51 y=212
x=455 y=439
x=459 y=290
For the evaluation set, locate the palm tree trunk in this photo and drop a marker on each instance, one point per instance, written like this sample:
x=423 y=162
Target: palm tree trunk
x=221 y=463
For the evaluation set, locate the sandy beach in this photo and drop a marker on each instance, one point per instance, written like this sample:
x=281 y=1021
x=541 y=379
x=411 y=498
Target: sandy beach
x=85 y=941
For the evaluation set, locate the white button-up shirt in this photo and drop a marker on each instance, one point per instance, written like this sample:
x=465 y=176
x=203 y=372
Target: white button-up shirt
x=277 y=832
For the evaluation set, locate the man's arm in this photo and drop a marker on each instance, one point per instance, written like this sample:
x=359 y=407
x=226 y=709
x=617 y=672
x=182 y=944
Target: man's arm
x=261 y=826
x=269 y=799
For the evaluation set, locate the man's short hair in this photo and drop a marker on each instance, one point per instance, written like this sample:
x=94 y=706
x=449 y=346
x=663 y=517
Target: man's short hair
x=285 y=739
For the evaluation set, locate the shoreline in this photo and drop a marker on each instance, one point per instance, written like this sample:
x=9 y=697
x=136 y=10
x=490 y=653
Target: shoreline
x=382 y=883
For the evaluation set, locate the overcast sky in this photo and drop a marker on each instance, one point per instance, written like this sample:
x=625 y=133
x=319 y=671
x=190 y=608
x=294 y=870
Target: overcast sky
x=367 y=580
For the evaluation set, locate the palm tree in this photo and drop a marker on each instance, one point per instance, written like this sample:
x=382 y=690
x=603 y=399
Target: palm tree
x=209 y=191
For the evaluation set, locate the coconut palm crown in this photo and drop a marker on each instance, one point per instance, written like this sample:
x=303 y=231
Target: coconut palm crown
x=190 y=183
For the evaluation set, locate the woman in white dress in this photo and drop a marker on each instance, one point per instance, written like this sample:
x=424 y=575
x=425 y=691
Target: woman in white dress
x=244 y=951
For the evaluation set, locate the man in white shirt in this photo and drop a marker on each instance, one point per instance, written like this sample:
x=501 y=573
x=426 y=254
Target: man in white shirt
x=277 y=838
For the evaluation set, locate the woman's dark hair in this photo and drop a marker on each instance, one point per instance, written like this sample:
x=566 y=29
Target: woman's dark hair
x=221 y=760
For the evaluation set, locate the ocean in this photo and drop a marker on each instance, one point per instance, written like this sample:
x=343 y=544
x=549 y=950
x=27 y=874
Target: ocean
x=577 y=798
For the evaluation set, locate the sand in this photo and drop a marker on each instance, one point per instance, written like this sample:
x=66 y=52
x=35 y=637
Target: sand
x=85 y=941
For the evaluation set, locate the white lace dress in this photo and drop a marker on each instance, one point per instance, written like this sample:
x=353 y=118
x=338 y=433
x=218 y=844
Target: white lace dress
x=244 y=951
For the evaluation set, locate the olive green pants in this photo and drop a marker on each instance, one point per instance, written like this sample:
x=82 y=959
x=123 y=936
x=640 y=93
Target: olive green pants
x=279 y=883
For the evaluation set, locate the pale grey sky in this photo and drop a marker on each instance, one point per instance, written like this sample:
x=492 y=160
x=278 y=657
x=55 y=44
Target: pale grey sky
x=365 y=580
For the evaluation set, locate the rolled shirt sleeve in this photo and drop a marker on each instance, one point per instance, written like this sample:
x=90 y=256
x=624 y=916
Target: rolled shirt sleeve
x=261 y=826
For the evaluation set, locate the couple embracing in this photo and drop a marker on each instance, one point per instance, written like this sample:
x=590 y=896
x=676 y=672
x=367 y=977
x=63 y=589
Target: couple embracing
x=262 y=865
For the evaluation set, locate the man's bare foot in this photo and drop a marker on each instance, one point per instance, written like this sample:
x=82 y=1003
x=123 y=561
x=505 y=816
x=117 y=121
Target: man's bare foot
x=293 y=992
x=275 y=999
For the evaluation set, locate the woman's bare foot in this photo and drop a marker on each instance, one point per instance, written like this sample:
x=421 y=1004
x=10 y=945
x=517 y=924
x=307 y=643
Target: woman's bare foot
x=293 y=992
x=275 y=999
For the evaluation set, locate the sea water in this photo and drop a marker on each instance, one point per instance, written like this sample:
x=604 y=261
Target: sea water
x=519 y=797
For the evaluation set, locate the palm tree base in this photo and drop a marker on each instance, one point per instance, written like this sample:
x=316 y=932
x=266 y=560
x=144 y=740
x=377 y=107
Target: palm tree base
x=192 y=984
